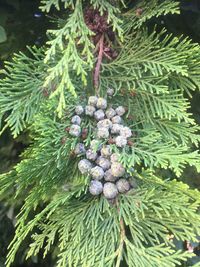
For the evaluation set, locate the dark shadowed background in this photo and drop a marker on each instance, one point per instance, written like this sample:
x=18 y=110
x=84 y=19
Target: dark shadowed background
x=21 y=24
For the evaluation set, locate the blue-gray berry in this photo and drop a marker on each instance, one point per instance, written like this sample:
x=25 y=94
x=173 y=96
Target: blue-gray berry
x=99 y=115
x=110 y=92
x=120 y=110
x=116 y=128
x=125 y=132
x=123 y=185
x=106 y=151
x=102 y=133
x=110 y=190
x=114 y=157
x=84 y=166
x=79 y=149
x=79 y=110
x=89 y=110
x=101 y=103
x=120 y=141
x=117 y=169
x=97 y=173
x=109 y=177
x=75 y=130
x=106 y=123
x=95 y=188
x=110 y=113
x=116 y=120
x=103 y=163
x=76 y=120
x=92 y=100
x=91 y=155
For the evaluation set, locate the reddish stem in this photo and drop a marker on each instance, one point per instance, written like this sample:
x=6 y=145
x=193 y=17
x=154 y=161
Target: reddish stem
x=98 y=65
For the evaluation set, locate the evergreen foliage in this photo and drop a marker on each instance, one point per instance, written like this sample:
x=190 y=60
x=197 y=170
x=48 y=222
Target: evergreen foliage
x=153 y=75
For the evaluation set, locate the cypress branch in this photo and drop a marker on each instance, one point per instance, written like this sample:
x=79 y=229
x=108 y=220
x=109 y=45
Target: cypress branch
x=150 y=73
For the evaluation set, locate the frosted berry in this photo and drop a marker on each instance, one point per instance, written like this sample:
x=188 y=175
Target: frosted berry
x=117 y=169
x=79 y=110
x=75 y=130
x=99 y=115
x=110 y=190
x=114 y=157
x=103 y=163
x=110 y=92
x=102 y=133
x=79 y=149
x=91 y=155
x=117 y=120
x=95 y=145
x=126 y=132
x=92 y=100
x=106 y=151
x=110 y=113
x=97 y=173
x=101 y=103
x=120 y=111
x=123 y=185
x=95 y=188
x=109 y=177
x=106 y=123
x=89 y=110
x=120 y=141
x=76 y=120
x=116 y=128
x=84 y=166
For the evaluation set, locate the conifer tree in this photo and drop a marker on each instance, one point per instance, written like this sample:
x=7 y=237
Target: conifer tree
x=109 y=50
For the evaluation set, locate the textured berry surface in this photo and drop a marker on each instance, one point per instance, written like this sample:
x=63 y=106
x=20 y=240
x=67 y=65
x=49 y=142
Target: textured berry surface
x=114 y=157
x=99 y=115
x=117 y=120
x=106 y=151
x=84 y=166
x=123 y=186
x=104 y=163
x=89 y=110
x=97 y=173
x=116 y=128
x=102 y=133
x=120 y=111
x=95 y=188
x=75 y=130
x=79 y=110
x=76 y=120
x=79 y=149
x=120 y=141
x=92 y=101
x=117 y=169
x=110 y=92
x=110 y=113
x=125 y=132
x=91 y=155
x=106 y=123
x=110 y=190
x=101 y=103
x=109 y=177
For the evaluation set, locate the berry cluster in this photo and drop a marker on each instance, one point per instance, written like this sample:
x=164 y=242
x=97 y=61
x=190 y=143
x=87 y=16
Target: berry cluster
x=108 y=176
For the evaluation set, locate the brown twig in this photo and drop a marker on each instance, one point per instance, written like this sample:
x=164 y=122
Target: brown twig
x=98 y=65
